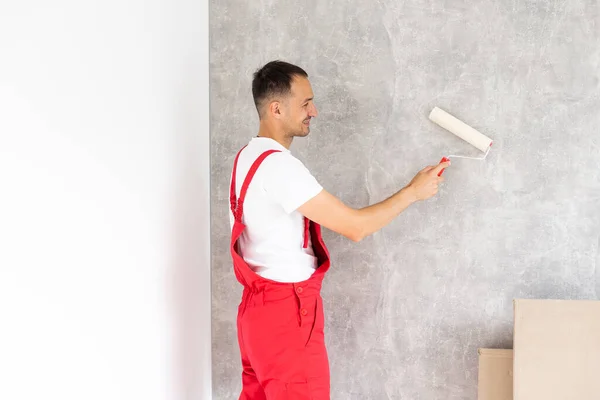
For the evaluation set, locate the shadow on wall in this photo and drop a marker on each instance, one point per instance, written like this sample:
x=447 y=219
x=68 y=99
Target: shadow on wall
x=189 y=268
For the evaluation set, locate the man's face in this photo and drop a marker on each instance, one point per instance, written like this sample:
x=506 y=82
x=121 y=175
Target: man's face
x=299 y=108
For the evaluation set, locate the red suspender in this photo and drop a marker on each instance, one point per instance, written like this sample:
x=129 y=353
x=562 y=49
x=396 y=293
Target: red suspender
x=237 y=205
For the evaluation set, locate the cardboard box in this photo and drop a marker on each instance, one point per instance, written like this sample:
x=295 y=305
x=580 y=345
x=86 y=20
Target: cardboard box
x=495 y=376
x=556 y=350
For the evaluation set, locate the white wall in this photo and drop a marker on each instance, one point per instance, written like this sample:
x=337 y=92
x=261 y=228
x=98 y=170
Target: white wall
x=104 y=208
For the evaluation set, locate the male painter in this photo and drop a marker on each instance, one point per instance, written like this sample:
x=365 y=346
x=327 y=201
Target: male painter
x=277 y=208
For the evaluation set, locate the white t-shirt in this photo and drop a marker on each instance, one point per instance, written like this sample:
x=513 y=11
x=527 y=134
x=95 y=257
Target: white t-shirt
x=272 y=243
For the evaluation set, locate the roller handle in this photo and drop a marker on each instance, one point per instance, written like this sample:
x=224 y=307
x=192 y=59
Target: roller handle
x=444 y=159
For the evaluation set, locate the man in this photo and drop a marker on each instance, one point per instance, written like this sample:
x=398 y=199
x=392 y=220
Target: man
x=277 y=209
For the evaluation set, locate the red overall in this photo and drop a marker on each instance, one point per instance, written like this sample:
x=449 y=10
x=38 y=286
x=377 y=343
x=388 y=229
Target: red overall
x=280 y=325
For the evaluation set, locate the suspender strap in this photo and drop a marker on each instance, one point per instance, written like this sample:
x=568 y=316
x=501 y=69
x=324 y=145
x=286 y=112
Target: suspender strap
x=237 y=207
x=232 y=199
x=306 y=232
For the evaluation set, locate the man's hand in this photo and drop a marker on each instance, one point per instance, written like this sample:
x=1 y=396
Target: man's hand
x=425 y=184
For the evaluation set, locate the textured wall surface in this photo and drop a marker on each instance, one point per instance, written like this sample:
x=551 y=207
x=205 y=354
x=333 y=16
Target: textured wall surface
x=407 y=307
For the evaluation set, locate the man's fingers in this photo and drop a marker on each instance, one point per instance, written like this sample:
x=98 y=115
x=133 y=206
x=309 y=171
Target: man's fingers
x=441 y=166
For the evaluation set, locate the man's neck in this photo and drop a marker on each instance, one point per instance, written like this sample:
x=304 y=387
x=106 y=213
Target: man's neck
x=278 y=136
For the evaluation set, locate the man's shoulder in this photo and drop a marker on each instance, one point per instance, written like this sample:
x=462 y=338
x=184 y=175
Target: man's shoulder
x=279 y=156
x=281 y=162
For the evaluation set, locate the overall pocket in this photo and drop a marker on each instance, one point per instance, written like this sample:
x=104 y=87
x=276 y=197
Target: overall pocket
x=313 y=320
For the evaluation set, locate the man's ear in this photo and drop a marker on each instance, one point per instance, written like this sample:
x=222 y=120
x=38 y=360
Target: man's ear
x=275 y=109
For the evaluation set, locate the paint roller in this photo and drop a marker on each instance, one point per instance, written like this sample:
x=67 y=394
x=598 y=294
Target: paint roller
x=463 y=131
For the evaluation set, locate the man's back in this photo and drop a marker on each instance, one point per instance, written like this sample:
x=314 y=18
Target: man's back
x=273 y=241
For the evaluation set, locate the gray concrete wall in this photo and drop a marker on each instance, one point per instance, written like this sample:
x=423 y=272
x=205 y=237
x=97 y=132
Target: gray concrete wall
x=407 y=308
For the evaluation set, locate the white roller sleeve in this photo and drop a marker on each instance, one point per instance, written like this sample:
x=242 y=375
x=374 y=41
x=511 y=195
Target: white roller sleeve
x=460 y=129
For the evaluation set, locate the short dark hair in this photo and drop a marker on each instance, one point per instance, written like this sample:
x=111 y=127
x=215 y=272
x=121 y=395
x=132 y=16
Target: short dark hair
x=274 y=79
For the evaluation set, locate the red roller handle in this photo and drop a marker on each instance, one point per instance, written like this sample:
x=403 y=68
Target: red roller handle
x=444 y=159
